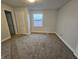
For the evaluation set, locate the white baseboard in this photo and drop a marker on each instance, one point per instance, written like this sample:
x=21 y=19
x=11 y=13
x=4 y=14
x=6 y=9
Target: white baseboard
x=7 y=38
x=42 y=32
x=23 y=34
x=67 y=45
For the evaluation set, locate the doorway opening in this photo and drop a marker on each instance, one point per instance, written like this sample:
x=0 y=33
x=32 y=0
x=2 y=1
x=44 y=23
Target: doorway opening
x=10 y=22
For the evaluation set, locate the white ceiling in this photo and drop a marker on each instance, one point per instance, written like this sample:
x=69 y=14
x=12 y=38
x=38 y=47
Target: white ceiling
x=39 y=4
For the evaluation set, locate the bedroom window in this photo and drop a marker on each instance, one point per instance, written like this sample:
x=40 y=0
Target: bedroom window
x=38 y=20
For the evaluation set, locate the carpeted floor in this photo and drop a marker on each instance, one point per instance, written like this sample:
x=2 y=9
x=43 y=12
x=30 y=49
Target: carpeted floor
x=35 y=46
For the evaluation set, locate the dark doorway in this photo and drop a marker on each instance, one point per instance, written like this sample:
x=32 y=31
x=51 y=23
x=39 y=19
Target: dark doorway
x=10 y=22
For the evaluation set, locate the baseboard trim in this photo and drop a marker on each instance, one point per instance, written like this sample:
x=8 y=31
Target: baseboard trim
x=5 y=39
x=42 y=33
x=67 y=45
x=23 y=34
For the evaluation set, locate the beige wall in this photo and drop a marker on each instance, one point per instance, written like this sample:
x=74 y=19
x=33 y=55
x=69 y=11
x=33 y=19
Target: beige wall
x=22 y=20
x=5 y=34
x=67 y=23
x=49 y=21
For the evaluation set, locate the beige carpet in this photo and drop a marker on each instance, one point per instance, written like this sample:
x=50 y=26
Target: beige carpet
x=35 y=46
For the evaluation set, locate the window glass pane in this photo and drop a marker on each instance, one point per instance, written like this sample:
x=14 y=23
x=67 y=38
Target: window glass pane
x=37 y=16
x=38 y=23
